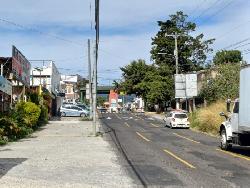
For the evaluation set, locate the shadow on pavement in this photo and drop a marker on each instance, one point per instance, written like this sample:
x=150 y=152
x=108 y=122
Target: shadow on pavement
x=7 y=164
x=242 y=150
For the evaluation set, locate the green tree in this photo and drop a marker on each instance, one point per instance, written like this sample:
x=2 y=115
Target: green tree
x=224 y=85
x=227 y=56
x=100 y=101
x=157 y=86
x=192 y=49
x=133 y=74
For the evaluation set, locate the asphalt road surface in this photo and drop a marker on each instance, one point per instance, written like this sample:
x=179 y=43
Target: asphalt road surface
x=164 y=157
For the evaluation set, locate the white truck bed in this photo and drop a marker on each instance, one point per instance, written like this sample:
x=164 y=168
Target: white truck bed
x=244 y=108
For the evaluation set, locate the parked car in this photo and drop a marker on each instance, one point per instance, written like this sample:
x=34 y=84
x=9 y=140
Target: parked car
x=83 y=106
x=73 y=110
x=176 y=119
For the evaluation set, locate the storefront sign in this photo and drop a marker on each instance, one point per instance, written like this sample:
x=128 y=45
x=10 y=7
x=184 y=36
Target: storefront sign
x=5 y=85
x=20 y=67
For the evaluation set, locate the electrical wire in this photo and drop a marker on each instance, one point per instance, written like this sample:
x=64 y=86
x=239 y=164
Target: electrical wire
x=206 y=10
x=197 y=8
x=40 y=32
x=231 y=30
x=237 y=43
x=242 y=45
x=220 y=10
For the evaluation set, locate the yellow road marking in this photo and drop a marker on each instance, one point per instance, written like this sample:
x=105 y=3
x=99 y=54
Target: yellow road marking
x=143 y=137
x=234 y=154
x=154 y=125
x=187 y=138
x=179 y=159
x=127 y=124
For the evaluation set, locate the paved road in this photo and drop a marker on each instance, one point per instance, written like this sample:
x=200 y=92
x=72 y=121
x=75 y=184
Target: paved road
x=62 y=154
x=163 y=157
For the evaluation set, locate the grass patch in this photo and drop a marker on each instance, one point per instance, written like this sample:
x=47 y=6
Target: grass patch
x=208 y=119
x=86 y=119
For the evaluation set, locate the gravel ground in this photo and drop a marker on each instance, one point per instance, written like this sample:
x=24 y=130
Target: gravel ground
x=62 y=154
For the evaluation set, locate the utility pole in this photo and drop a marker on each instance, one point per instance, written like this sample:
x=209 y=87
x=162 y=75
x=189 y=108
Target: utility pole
x=94 y=92
x=90 y=82
x=95 y=66
x=175 y=36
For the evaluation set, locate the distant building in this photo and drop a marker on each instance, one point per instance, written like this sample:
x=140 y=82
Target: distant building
x=69 y=85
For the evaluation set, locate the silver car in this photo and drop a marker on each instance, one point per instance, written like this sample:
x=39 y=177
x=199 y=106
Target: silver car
x=72 y=110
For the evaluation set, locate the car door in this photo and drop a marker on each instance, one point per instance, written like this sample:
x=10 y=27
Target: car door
x=74 y=111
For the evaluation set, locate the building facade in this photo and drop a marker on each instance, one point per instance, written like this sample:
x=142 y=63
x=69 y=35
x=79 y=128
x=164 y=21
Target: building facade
x=69 y=86
x=48 y=76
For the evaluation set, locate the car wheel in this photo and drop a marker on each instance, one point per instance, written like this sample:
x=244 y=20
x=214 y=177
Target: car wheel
x=224 y=144
x=63 y=114
x=82 y=115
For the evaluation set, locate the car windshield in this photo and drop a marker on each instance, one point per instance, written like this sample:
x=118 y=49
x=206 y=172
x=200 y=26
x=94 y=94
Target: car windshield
x=181 y=116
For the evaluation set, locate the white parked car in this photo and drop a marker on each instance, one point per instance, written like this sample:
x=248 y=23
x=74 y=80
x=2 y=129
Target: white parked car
x=177 y=119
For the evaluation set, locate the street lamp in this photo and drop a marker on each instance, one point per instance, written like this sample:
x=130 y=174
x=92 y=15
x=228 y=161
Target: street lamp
x=40 y=70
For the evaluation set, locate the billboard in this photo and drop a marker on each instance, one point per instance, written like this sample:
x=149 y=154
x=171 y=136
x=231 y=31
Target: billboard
x=191 y=85
x=113 y=98
x=180 y=85
x=20 y=67
x=185 y=85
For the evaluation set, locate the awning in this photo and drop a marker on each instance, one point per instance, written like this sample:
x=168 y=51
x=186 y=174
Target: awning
x=5 y=85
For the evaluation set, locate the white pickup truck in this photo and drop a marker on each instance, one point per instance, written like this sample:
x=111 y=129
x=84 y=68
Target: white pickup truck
x=236 y=128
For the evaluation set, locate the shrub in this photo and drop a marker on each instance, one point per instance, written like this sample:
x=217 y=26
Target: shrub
x=208 y=119
x=27 y=113
x=224 y=85
x=44 y=117
x=8 y=128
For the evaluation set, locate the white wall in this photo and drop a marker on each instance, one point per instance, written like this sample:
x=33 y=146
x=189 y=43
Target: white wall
x=50 y=77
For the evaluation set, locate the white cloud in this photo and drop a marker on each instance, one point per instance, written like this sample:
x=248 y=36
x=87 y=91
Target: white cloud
x=116 y=49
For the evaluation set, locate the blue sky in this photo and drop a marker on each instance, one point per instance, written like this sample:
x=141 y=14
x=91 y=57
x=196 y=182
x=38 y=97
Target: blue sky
x=126 y=29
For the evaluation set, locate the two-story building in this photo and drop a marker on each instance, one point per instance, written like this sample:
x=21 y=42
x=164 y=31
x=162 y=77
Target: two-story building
x=47 y=76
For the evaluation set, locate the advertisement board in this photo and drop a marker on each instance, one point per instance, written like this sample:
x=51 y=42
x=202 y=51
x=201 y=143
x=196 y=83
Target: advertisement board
x=186 y=85
x=191 y=85
x=180 y=85
x=113 y=98
x=20 y=67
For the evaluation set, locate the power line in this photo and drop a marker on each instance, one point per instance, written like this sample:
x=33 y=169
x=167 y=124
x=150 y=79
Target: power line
x=116 y=56
x=197 y=7
x=220 y=10
x=237 y=43
x=231 y=30
x=40 y=32
x=207 y=9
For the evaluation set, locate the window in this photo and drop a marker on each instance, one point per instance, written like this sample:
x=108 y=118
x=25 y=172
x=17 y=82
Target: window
x=75 y=108
x=181 y=116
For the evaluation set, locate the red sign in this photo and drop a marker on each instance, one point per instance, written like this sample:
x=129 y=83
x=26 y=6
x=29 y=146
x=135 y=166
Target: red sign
x=20 y=67
x=113 y=98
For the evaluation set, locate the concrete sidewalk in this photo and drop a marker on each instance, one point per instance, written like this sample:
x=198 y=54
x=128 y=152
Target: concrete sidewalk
x=62 y=154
